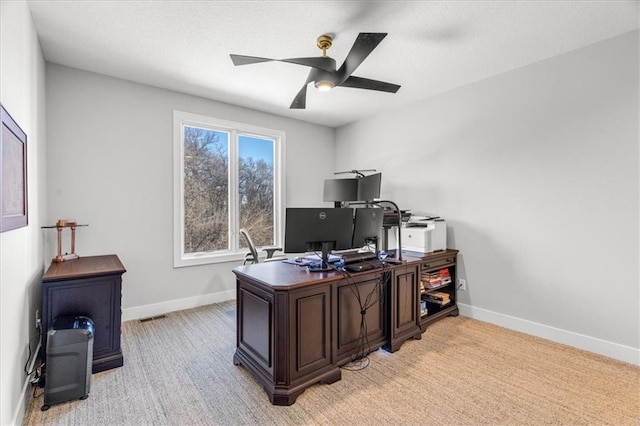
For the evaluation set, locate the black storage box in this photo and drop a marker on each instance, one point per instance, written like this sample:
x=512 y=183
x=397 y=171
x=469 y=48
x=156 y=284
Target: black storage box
x=69 y=360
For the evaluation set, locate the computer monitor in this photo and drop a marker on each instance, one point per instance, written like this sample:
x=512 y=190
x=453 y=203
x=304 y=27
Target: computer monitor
x=369 y=187
x=367 y=226
x=338 y=190
x=312 y=229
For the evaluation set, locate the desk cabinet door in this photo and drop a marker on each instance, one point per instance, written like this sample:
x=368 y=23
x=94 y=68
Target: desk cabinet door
x=255 y=336
x=357 y=334
x=310 y=331
x=405 y=308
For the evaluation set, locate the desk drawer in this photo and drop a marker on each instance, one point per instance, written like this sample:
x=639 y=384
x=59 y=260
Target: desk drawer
x=439 y=262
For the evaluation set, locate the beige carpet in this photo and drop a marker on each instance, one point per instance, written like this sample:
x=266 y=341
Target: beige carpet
x=178 y=370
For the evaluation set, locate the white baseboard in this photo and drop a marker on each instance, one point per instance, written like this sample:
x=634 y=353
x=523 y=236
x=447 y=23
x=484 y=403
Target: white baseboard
x=155 y=309
x=576 y=340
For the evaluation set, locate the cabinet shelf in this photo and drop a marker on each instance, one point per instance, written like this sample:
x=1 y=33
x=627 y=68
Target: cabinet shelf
x=438 y=303
x=431 y=289
x=435 y=266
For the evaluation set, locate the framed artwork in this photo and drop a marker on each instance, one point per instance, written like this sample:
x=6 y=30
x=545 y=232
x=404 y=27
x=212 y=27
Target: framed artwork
x=13 y=174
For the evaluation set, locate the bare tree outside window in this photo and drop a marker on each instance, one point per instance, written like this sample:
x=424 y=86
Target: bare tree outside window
x=206 y=189
x=255 y=187
x=226 y=176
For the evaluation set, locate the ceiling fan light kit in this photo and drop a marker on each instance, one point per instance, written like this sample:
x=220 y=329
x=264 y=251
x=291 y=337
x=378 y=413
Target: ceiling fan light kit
x=324 y=73
x=324 y=85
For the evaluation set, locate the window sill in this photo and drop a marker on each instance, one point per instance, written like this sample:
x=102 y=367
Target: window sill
x=207 y=259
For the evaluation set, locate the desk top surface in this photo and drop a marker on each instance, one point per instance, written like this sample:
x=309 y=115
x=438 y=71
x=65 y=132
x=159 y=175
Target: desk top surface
x=286 y=276
x=84 y=267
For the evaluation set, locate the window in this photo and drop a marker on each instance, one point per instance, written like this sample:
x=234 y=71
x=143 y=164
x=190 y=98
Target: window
x=227 y=176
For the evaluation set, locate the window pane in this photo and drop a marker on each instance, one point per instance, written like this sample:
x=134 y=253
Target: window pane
x=255 y=188
x=206 y=190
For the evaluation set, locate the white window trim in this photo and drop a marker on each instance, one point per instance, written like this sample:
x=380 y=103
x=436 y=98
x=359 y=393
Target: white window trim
x=181 y=118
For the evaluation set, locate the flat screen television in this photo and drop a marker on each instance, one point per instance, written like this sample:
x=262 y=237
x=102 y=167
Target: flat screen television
x=367 y=227
x=340 y=190
x=369 y=187
x=320 y=230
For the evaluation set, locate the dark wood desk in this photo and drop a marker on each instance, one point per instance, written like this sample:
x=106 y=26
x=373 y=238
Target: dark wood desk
x=88 y=286
x=296 y=328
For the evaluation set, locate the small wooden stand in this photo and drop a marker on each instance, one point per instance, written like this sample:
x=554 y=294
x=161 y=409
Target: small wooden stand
x=60 y=225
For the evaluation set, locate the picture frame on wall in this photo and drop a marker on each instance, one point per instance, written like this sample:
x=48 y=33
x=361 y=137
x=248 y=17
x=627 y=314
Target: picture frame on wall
x=13 y=174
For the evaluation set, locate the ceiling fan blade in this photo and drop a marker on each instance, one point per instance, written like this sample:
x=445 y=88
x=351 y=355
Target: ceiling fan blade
x=365 y=83
x=322 y=63
x=300 y=101
x=246 y=60
x=362 y=47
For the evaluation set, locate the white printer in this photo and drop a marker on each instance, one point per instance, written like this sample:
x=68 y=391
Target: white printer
x=424 y=234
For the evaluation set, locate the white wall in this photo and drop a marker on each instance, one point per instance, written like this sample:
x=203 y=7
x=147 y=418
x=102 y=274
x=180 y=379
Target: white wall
x=21 y=250
x=536 y=172
x=110 y=166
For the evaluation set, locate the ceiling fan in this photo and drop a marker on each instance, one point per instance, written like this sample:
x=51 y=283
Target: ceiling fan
x=324 y=72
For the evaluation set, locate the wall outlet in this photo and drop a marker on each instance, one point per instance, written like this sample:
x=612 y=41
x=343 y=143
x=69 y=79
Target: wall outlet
x=38 y=319
x=462 y=284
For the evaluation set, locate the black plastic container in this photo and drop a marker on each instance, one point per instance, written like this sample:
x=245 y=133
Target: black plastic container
x=69 y=360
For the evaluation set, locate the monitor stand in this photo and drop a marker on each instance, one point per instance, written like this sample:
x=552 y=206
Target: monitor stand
x=323 y=266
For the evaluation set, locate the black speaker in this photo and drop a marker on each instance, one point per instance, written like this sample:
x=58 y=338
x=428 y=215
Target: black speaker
x=69 y=360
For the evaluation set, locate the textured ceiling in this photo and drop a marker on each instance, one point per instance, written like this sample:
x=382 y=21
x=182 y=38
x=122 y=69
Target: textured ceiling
x=432 y=46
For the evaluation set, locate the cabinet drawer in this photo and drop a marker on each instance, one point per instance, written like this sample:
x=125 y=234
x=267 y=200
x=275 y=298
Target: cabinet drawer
x=439 y=262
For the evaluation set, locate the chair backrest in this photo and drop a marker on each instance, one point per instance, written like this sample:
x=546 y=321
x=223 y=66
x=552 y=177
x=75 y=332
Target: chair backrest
x=252 y=249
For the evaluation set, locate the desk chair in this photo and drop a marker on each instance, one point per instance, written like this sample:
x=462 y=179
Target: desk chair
x=252 y=256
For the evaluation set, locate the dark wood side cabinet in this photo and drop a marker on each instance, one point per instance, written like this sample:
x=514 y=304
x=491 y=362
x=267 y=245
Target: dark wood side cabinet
x=435 y=263
x=88 y=286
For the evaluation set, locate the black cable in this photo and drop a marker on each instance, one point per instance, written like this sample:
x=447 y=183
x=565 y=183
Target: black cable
x=39 y=336
x=35 y=390
x=36 y=381
x=359 y=359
